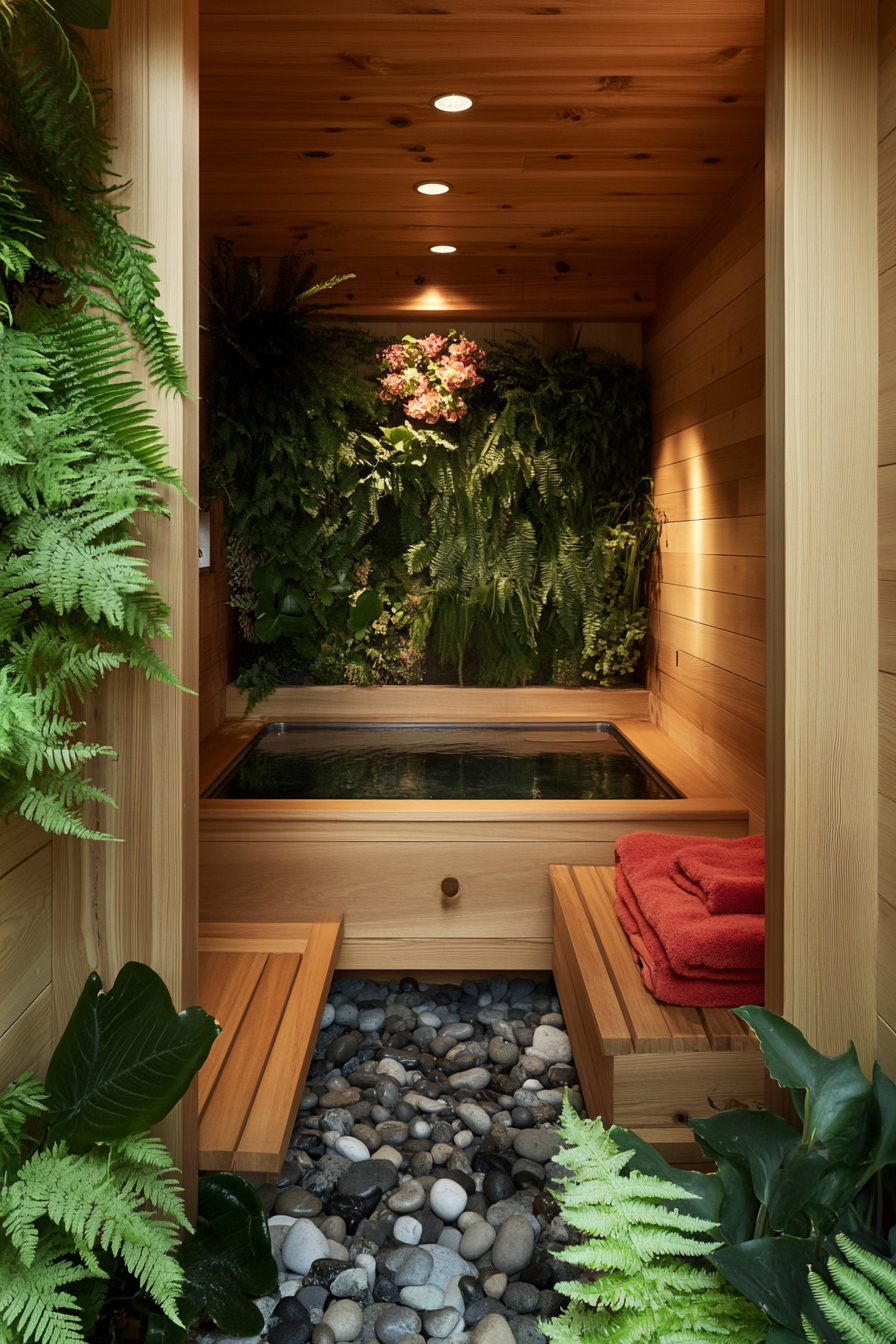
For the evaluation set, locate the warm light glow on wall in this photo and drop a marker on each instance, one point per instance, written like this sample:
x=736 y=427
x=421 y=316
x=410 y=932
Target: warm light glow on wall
x=443 y=248
x=432 y=188
x=453 y=102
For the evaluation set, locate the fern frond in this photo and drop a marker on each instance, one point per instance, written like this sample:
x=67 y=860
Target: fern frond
x=20 y=1101
x=863 y=1307
x=35 y=1306
x=649 y=1280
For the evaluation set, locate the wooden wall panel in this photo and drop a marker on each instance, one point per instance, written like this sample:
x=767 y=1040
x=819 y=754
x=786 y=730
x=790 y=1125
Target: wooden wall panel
x=26 y=970
x=705 y=350
x=822 y=352
x=137 y=900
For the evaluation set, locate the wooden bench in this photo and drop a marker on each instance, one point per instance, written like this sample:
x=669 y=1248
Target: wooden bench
x=642 y=1064
x=266 y=984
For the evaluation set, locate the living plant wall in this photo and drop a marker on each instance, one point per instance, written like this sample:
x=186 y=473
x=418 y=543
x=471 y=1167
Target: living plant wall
x=79 y=451
x=482 y=513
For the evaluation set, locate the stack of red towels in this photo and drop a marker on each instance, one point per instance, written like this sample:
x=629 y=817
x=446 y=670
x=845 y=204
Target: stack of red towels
x=693 y=910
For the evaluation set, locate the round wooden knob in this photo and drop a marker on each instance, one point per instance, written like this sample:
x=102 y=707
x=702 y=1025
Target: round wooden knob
x=450 y=886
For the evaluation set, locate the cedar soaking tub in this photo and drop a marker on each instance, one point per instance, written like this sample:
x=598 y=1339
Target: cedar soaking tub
x=428 y=816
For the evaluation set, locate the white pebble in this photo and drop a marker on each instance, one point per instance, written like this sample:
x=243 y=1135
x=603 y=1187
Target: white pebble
x=368 y=1264
x=328 y=1015
x=463 y=1138
x=304 y=1244
x=345 y=1319
x=353 y=1149
x=440 y=1153
x=532 y=1085
x=447 y=1200
x=551 y=1045
x=419 y=1129
x=409 y=1230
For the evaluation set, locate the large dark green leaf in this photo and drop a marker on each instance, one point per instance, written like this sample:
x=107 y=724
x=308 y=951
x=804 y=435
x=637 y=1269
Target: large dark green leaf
x=739 y=1203
x=772 y=1272
x=885 y=1092
x=705 y=1186
x=125 y=1058
x=840 y=1108
x=778 y=1335
x=366 y=610
x=230 y=1254
x=760 y=1138
x=796 y=1182
x=84 y=13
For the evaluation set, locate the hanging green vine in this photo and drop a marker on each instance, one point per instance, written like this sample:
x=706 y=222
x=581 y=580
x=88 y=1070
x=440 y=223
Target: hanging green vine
x=79 y=449
x=511 y=543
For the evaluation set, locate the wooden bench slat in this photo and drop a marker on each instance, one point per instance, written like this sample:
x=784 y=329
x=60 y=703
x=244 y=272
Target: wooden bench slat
x=227 y=981
x=613 y=1028
x=725 y=1031
x=651 y=1032
x=254 y=937
x=594 y=1068
x=262 y=1145
x=225 y=1113
x=686 y=1027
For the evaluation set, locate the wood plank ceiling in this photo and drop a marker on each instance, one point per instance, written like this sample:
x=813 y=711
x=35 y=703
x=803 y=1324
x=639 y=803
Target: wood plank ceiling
x=603 y=134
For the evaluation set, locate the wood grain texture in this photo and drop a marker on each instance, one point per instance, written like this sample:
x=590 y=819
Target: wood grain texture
x=136 y=900
x=441 y=704
x=705 y=658
x=264 y=1140
x=25 y=947
x=26 y=901
x=217 y=629
x=600 y=139
x=822 y=208
x=886 y=477
x=27 y=1043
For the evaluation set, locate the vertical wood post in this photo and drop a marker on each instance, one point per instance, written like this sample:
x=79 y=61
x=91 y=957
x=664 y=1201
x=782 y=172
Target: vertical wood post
x=822 y=341
x=137 y=900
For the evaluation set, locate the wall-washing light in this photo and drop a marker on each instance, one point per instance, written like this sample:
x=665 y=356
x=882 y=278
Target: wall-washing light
x=443 y=247
x=432 y=188
x=453 y=102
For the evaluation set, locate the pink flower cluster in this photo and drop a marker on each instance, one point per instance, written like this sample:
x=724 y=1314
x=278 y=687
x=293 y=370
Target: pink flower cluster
x=428 y=380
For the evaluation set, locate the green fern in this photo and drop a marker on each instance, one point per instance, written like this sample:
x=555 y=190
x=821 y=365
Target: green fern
x=644 y=1280
x=20 y=1102
x=66 y=1216
x=79 y=448
x=863 y=1309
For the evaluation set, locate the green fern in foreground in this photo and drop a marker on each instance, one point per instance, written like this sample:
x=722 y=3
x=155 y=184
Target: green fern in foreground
x=646 y=1281
x=864 y=1308
x=66 y=1218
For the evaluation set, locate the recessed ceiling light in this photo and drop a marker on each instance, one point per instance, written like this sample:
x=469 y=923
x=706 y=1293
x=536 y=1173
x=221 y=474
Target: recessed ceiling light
x=453 y=102
x=432 y=188
x=443 y=247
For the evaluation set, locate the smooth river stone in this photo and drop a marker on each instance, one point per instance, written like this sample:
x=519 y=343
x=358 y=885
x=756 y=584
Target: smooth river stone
x=540 y=1145
x=304 y=1244
x=345 y=1319
x=551 y=1045
x=492 y=1329
x=407 y=1230
x=424 y=1297
x=514 y=1245
x=476 y=1240
x=392 y=1069
x=353 y=1149
x=446 y=1265
x=471 y=1080
x=447 y=1199
x=396 y=1322
x=474 y=1117
x=408 y=1198
x=426 y=1105
x=441 y=1323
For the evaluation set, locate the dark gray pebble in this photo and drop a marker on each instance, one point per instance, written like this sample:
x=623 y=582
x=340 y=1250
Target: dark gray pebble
x=395 y=1322
x=291 y=1332
x=361 y=1177
x=488 y=1306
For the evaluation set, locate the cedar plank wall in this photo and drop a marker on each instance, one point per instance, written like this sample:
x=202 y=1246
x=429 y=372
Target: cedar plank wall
x=705 y=352
x=26 y=898
x=886 y=973
x=217 y=632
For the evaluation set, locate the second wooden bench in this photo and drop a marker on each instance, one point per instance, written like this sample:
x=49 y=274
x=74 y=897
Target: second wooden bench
x=642 y=1064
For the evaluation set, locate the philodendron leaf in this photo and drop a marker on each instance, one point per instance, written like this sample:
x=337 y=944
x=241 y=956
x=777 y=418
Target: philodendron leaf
x=739 y=1203
x=760 y=1138
x=84 y=13
x=125 y=1058
x=778 y=1335
x=773 y=1272
x=884 y=1154
x=230 y=1255
x=840 y=1109
x=797 y=1181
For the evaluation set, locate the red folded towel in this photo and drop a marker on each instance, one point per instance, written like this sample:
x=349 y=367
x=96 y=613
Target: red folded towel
x=696 y=942
x=718 y=989
x=728 y=876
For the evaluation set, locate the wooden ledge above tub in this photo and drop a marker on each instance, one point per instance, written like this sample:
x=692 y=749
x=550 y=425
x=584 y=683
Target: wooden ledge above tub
x=442 y=704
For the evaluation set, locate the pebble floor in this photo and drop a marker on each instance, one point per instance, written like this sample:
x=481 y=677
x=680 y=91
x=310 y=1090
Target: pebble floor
x=414 y=1203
